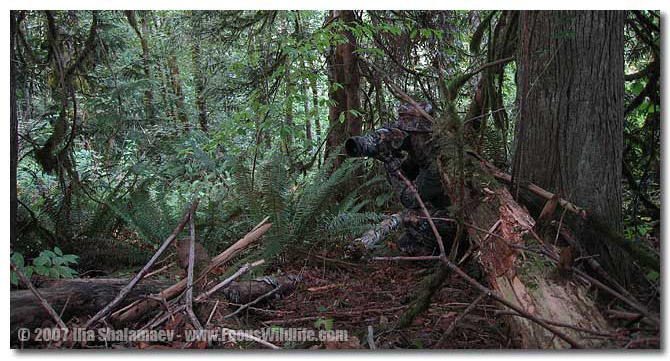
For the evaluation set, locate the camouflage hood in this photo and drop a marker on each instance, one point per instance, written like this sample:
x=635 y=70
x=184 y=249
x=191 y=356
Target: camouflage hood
x=410 y=120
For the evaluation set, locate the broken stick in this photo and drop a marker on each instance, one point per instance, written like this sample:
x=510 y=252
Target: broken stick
x=124 y=291
x=142 y=306
x=47 y=307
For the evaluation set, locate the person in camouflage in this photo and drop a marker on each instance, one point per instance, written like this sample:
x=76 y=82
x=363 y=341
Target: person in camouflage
x=407 y=146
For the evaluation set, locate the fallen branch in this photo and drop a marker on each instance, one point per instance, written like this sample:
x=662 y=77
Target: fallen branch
x=630 y=301
x=437 y=279
x=644 y=257
x=458 y=319
x=141 y=307
x=152 y=273
x=228 y=280
x=408 y=258
x=438 y=238
x=107 y=309
x=500 y=299
x=509 y=304
x=371 y=338
x=614 y=314
x=189 y=275
x=259 y=299
x=341 y=314
x=211 y=314
x=331 y=260
x=45 y=305
x=251 y=338
x=559 y=324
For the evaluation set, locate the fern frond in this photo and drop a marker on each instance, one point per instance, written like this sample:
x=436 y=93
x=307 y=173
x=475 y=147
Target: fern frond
x=318 y=196
x=350 y=225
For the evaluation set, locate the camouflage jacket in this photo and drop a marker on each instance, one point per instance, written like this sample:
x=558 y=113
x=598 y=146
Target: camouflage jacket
x=409 y=148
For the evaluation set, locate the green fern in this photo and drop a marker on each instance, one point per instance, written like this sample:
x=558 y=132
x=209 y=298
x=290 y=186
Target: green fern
x=301 y=211
x=149 y=216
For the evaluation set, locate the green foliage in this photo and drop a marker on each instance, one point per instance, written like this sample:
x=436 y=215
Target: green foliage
x=49 y=263
x=327 y=323
x=302 y=211
x=149 y=215
x=265 y=87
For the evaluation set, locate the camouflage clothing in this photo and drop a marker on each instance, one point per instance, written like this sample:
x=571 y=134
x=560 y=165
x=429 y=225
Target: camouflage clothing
x=407 y=146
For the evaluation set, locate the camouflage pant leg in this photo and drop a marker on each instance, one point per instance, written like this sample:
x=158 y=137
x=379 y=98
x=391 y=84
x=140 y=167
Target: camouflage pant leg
x=419 y=239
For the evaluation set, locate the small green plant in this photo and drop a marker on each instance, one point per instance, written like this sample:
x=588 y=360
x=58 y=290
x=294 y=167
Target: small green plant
x=48 y=263
x=327 y=323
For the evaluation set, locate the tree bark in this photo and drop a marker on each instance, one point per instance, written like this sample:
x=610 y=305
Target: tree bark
x=14 y=129
x=570 y=83
x=72 y=298
x=175 y=81
x=143 y=34
x=308 y=114
x=344 y=81
x=146 y=65
x=315 y=115
x=198 y=79
x=501 y=229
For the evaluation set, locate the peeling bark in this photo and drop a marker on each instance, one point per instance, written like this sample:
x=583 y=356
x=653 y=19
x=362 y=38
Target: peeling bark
x=521 y=277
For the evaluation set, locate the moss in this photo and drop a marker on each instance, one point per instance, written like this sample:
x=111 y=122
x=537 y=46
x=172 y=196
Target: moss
x=533 y=266
x=427 y=288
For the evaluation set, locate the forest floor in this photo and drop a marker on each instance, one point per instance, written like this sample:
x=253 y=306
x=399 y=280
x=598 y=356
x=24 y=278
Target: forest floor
x=354 y=299
x=350 y=299
x=357 y=298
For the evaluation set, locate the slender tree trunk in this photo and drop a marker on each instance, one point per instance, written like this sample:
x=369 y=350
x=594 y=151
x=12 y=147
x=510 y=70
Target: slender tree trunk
x=175 y=80
x=165 y=86
x=344 y=79
x=315 y=108
x=570 y=132
x=315 y=115
x=198 y=78
x=143 y=35
x=308 y=114
x=148 y=94
x=288 y=97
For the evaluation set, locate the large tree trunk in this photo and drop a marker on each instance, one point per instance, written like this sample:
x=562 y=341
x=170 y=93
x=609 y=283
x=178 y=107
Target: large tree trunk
x=344 y=81
x=14 y=130
x=570 y=130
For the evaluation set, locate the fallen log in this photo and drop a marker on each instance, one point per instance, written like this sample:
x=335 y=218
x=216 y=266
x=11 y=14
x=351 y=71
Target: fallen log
x=72 y=298
x=188 y=215
x=375 y=235
x=592 y=227
x=81 y=298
